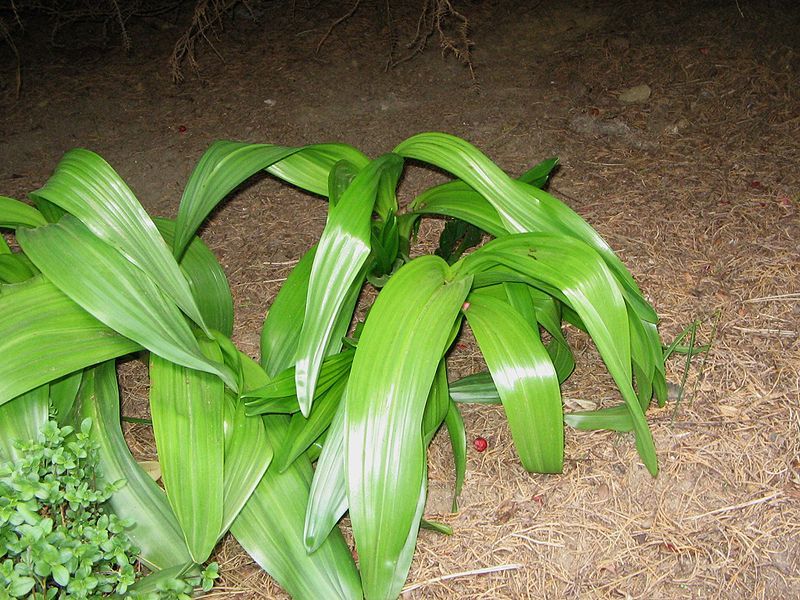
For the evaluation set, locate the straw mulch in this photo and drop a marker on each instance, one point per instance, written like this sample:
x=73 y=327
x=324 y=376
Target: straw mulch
x=697 y=187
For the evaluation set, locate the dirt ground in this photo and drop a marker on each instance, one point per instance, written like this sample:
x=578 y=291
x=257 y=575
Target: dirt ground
x=697 y=187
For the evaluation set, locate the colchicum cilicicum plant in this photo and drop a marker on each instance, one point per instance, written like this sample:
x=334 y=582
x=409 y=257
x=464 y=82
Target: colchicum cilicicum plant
x=96 y=278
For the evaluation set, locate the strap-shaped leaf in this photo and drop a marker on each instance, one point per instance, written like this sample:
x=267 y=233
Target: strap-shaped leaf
x=15 y=268
x=206 y=279
x=22 y=419
x=270 y=525
x=86 y=186
x=155 y=531
x=188 y=411
x=14 y=213
x=63 y=393
x=341 y=253
x=221 y=168
x=310 y=166
x=247 y=451
x=403 y=339
x=477 y=388
x=44 y=335
x=327 y=500
x=115 y=291
x=614 y=418
x=571 y=270
x=458 y=442
x=525 y=378
x=522 y=207
x=285 y=317
x=303 y=431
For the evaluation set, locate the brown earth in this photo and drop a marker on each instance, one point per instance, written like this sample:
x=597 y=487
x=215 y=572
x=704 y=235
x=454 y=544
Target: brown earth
x=697 y=187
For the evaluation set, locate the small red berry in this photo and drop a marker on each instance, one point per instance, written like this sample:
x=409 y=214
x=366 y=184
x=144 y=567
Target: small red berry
x=465 y=307
x=181 y=128
x=480 y=444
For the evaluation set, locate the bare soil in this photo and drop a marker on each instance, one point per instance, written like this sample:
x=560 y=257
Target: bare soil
x=697 y=187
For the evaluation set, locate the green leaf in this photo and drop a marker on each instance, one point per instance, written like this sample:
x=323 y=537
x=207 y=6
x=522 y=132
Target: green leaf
x=22 y=419
x=284 y=320
x=303 y=431
x=310 y=166
x=15 y=268
x=270 y=526
x=187 y=408
x=86 y=186
x=458 y=442
x=280 y=395
x=525 y=378
x=341 y=253
x=44 y=335
x=614 y=418
x=206 y=280
x=115 y=291
x=221 y=168
x=155 y=531
x=385 y=458
x=327 y=500
x=247 y=451
x=14 y=213
x=538 y=175
x=573 y=272
x=477 y=388
x=522 y=207
x=63 y=393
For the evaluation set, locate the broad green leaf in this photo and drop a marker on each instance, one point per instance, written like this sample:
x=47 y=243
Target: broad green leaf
x=522 y=207
x=44 y=335
x=458 y=442
x=22 y=419
x=404 y=337
x=14 y=213
x=221 y=168
x=270 y=529
x=615 y=418
x=63 y=393
x=15 y=268
x=155 y=531
x=188 y=412
x=341 y=253
x=477 y=388
x=327 y=500
x=304 y=430
x=539 y=174
x=460 y=202
x=573 y=272
x=548 y=314
x=86 y=186
x=206 y=280
x=281 y=389
x=285 y=317
x=4 y=248
x=525 y=378
x=115 y=291
x=310 y=166
x=437 y=405
x=247 y=451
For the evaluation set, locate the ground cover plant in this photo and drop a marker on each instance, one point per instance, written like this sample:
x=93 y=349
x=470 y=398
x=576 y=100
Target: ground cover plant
x=94 y=278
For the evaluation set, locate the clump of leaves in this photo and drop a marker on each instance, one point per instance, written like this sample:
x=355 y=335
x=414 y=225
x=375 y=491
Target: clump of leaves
x=96 y=278
x=56 y=541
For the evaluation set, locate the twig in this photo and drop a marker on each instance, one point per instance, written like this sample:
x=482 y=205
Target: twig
x=766 y=498
x=789 y=296
x=341 y=19
x=485 y=571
